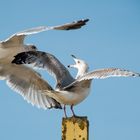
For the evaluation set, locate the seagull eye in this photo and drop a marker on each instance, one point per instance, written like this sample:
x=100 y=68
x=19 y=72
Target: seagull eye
x=78 y=62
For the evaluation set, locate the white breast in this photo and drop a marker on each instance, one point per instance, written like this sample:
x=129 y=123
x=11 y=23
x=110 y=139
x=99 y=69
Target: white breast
x=72 y=98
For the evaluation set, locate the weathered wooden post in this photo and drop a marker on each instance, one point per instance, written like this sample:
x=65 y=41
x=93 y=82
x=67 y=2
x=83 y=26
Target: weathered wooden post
x=75 y=128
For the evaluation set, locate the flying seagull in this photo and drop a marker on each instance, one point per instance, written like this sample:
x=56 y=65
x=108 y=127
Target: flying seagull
x=25 y=80
x=69 y=91
x=15 y=43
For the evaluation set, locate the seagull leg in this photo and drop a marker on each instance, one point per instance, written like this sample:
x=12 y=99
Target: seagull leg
x=65 y=111
x=71 y=107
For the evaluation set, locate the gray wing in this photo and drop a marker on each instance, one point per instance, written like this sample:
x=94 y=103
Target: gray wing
x=29 y=85
x=101 y=74
x=109 y=72
x=18 y=38
x=46 y=61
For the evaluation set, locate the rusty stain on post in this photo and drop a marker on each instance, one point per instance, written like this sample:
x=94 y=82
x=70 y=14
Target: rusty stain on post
x=75 y=128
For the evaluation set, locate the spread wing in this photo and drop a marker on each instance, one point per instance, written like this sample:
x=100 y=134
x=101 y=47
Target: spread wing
x=48 y=62
x=106 y=73
x=29 y=85
x=101 y=74
x=18 y=38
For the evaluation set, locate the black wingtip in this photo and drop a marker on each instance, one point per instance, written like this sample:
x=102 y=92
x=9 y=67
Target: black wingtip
x=13 y=61
x=86 y=20
x=57 y=106
x=19 y=58
x=78 y=24
x=83 y=20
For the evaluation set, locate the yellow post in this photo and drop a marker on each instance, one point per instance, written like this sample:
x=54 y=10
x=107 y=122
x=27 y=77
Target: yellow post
x=75 y=128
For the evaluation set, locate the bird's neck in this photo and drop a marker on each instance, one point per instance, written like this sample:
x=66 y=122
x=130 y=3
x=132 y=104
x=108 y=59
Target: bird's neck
x=81 y=72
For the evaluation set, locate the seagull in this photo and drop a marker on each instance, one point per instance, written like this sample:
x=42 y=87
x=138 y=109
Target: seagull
x=69 y=91
x=23 y=79
x=15 y=43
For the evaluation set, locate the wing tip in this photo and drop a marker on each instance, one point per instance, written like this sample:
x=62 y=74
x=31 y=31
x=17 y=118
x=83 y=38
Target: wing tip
x=82 y=20
x=136 y=75
x=57 y=106
x=86 y=20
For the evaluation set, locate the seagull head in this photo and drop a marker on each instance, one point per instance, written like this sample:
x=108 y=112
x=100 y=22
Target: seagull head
x=80 y=65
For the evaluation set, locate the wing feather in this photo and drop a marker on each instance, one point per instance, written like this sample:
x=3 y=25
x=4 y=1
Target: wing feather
x=101 y=74
x=30 y=87
x=18 y=37
x=48 y=62
x=109 y=72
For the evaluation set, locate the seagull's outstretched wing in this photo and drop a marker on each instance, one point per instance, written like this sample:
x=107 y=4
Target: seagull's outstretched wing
x=109 y=72
x=18 y=38
x=101 y=74
x=30 y=85
x=46 y=61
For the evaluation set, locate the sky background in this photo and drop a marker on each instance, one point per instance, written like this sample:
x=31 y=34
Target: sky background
x=110 y=39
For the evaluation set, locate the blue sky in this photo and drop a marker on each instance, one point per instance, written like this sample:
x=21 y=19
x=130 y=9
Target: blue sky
x=110 y=39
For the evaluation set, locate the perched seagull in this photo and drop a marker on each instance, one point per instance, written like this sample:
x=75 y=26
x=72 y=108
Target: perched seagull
x=25 y=80
x=15 y=43
x=69 y=91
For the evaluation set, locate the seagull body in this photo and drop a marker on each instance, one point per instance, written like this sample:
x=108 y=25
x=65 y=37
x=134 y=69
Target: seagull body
x=73 y=94
x=69 y=91
x=23 y=79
